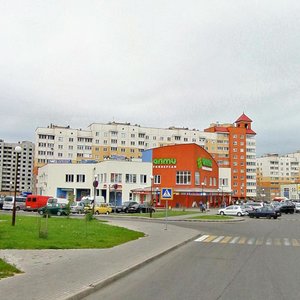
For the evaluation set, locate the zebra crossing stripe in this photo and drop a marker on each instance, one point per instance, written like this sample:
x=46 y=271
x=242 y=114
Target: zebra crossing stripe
x=201 y=238
x=248 y=241
x=277 y=242
x=251 y=241
x=259 y=241
x=234 y=240
x=210 y=238
x=295 y=243
x=269 y=242
x=226 y=239
x=242 y=240
x=217 y=240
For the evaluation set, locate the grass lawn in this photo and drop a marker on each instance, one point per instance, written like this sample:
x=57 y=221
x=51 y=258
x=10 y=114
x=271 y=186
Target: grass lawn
x=61 y=233
x=7 y=270
x=161 y=213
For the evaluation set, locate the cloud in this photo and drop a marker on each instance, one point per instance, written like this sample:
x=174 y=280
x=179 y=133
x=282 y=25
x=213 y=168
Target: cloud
x=154 y=63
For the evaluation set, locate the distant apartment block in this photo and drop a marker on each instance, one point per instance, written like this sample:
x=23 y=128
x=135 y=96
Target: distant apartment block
x=233 y=146
x=8 y=167
x=274 y=170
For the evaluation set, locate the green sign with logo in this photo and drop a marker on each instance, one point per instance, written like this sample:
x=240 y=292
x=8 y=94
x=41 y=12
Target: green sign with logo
x=164 y=161
x=204 y=162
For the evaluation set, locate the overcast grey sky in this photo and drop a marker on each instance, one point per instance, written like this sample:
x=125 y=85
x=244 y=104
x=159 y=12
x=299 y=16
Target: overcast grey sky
x=157 y=63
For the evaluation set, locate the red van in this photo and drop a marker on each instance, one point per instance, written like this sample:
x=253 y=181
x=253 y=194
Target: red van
x=33 y=202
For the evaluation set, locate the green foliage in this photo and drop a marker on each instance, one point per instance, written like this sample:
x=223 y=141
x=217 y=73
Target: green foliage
x=63 y=233
x=89 y=216
x=7 y=270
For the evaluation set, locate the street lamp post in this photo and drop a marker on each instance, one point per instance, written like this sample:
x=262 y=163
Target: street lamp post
x=18 y=150
x=95 y=184
x=157 y=194
x=151 y=200
x=222 y=186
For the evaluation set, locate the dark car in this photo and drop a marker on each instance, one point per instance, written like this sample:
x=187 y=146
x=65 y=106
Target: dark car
x=54 y=209
x=122 y=208
x=141 y=208
x=287 y=207
x=1 y=202
x=265 y=212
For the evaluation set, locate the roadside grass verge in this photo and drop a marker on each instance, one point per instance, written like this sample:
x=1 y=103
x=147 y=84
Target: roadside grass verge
x=61 y=233
x=160 y=214
x=7 y=270
x=212 y=217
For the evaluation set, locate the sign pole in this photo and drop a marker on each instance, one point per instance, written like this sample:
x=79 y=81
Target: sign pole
x=166 y=219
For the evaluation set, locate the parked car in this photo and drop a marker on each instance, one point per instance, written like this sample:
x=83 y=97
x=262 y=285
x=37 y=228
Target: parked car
x=297 y=207
x=102 y=208
x=1 y=202
x=141 y=208
x=247 y=207
x=256 y=205
x=8 y=203
x=77 y=207
x=122 y=208
x=287 y=207
x=232 y=210
x=265 y=212
x=58 y=209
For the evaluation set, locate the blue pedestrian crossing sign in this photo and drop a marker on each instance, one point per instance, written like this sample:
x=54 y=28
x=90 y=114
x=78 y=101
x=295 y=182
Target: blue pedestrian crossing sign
x=167 y=194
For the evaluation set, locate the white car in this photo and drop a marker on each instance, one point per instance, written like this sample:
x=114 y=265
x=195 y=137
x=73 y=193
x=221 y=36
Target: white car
x=232 y=210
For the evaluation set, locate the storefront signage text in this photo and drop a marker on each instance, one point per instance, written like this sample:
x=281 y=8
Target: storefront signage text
x=164 y=161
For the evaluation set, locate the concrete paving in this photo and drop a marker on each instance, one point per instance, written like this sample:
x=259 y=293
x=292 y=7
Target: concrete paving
x=73 y=274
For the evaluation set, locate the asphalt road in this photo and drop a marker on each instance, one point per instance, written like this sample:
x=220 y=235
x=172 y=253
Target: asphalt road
x=255 y=259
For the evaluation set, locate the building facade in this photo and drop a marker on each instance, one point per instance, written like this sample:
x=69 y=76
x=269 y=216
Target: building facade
x=235 y=148
x=190 y=172
x=8 y=163
x=231 y=145
x=274 y=171
x=116 y=180
x=188 y=169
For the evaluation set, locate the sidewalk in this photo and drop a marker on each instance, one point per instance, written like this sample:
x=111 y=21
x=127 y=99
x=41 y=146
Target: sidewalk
x=71 y=274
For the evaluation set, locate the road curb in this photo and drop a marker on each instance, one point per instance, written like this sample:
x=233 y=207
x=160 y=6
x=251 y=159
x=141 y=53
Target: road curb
x=97 y=285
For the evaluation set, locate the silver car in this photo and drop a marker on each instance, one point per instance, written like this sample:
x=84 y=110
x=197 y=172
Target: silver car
x=232 y=210
x=77 y=207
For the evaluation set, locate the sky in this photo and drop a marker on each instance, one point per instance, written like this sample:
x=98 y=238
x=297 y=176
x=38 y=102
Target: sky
x=156 y=63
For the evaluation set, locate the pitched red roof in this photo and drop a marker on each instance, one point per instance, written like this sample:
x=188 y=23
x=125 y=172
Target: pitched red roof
x=243 y=118
x=250 y=131
x=221 y=129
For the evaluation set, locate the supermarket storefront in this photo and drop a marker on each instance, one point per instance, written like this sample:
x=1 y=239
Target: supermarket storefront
x=189 y=170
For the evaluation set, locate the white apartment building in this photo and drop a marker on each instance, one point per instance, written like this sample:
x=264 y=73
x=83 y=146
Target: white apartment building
x=274 y=170
x=8 y=163
x=116 y=179
x=101 y=141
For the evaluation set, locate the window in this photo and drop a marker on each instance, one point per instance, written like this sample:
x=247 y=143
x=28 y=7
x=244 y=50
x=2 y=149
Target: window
x=183 y=177
x=157 y=179
x=80 y=178
x=130 y=178
x=143 y=179
x=115 y=178
x=197 y=178
x=69 y=178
